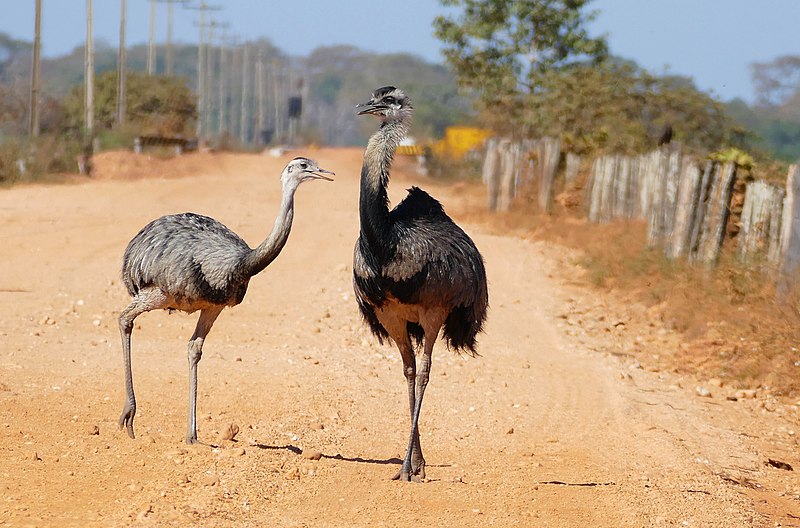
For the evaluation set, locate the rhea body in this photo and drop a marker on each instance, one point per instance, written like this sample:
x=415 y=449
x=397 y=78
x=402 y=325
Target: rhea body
x=191 y=262
x=416 y=272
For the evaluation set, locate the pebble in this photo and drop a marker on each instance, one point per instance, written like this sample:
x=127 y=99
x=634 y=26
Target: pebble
x=292 y=474
x=94 y=430
x=209 y=480
x=316 y=426
x=704 y=392
x=230 y=433
x=715 y=382
x=235 y=452
x=312 y=455
x=510 y=430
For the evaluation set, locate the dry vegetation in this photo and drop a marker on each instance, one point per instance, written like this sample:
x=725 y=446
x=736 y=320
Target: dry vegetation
x=729 y=321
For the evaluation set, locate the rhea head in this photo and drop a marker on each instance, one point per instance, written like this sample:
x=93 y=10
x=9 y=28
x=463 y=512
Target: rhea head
x=388 y=104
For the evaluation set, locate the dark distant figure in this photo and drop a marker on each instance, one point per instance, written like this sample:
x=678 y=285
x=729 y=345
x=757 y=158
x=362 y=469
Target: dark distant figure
x=666 y=135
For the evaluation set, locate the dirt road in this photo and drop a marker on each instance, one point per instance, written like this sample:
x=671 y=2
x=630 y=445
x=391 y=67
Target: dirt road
x=549 y=427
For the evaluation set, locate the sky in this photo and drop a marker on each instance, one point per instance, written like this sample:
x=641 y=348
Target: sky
x=712 y=41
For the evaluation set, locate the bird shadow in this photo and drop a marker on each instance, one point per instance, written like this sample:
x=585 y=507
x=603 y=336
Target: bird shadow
x=361 y=460
x=338 y=456
x=288 y=447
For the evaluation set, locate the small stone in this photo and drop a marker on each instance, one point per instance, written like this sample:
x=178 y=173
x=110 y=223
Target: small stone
x=715 y=382
x=745 y=394
x=238 y=359
x=35 y=457
x=94 y=430
x=235 y=452
x=510 y=430
x=703 y=392
x=209 y=480
x=135 y=487
x=230 y=433
x=292 y=474
x=312 y=455
x=316 y=426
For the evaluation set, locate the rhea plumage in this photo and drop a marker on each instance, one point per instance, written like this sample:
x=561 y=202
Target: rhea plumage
x=191 y=262
x=415 y=271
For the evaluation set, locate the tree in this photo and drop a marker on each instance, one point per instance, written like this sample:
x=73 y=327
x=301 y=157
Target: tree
x=159 y=105
x=502 y=50
x=776 y=81
x=616 y=106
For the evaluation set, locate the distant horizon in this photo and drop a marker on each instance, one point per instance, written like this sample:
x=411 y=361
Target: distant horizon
x=700 y=40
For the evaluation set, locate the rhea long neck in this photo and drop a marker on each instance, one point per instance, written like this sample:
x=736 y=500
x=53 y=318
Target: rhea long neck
x=374 y=200
x=260 y=257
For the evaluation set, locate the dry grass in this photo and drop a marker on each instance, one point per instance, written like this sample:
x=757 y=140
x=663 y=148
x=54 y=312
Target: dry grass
x=730 y=322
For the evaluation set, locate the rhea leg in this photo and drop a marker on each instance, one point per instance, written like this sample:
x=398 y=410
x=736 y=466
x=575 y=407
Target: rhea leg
x=204 y=324
x=410 y=371
x=414 y=465
x=143 y=302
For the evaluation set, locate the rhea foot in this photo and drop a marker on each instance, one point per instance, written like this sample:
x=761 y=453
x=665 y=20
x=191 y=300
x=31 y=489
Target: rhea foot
x=411 y=472
x=126 y=419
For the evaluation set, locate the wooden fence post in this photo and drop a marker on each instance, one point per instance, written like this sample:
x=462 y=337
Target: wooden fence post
x=657 y=177
x=699 y=215
x=550 y=154
x=491 y=171
x=716 y=217
x=685 y=204
x=508 y=174
x=790 y=234
x=489 y=161
x=573 y=165
x=761 y=221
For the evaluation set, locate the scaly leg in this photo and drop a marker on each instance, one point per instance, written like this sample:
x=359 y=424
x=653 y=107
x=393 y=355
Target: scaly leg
x=204 y=324
x=143 y=302
x=410 y=372
x=414 y=464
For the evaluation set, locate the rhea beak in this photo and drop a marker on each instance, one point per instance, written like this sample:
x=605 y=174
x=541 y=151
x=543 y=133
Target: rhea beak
x=369 y=108
x=320 y=174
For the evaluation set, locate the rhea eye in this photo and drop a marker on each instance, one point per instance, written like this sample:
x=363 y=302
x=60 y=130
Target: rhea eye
x=303 y=166
x=389 y=100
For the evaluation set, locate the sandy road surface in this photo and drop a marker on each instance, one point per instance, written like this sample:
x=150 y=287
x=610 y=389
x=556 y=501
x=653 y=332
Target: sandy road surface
x=542 y=430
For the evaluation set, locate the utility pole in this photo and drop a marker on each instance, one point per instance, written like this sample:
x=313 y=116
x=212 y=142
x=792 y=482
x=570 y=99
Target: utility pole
x=243 y=135
x=121 y=68
x=201 y=95
x=151 y=48
x=169 y=63
x=276 y=91
x=222 y=87
x=89 y=73
x=260 y=95
x=35 y=83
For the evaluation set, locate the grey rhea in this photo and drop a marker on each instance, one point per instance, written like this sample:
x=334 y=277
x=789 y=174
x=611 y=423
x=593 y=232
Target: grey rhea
x=415 y=272
x=191 y=262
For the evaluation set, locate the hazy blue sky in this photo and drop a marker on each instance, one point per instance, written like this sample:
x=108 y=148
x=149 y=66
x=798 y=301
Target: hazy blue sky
x=713 y=41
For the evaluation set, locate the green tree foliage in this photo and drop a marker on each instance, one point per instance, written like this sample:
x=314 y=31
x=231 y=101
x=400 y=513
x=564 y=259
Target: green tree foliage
x=536 y=72
x=616 y=106
x=775 y=117
x=502 y=50
x=342 y=76
x=154 y=104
